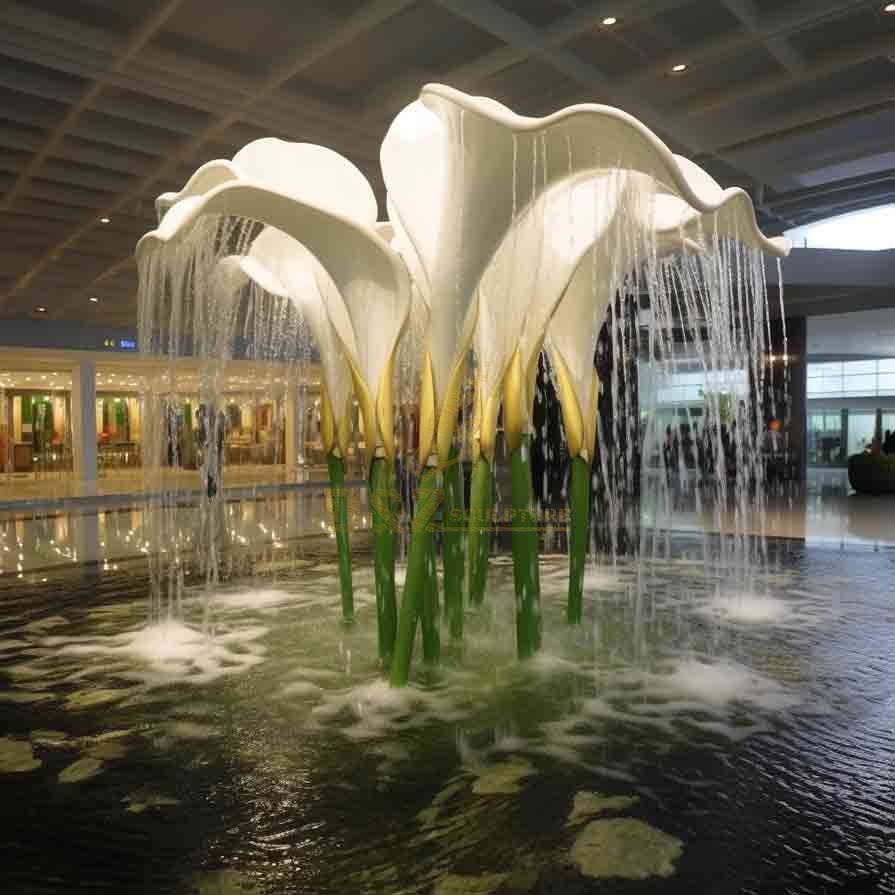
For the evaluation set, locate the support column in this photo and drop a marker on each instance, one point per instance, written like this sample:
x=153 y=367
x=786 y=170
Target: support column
x=797 y=345
x=292 y=410
x=83 y=425
x=786 y=391
x=86 y=537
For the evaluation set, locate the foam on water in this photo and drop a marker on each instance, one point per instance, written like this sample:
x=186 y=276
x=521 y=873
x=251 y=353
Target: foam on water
x=754 y=609
x=171 y=650
x=264 y=598
x=721 y=682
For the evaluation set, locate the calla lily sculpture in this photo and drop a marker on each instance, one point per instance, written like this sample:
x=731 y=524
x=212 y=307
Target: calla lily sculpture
x=322 y=250
x=507 y=234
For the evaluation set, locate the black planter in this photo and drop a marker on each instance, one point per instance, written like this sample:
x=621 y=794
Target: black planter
x=872 y=473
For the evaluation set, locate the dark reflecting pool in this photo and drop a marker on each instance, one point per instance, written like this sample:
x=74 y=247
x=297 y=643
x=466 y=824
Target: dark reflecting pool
x=703 y=731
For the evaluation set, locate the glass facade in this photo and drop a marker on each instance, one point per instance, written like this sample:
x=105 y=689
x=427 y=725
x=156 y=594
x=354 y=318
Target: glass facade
x=852 y=379
x=850 y=404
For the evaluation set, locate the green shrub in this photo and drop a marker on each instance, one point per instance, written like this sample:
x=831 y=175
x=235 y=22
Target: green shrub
x=872 y=473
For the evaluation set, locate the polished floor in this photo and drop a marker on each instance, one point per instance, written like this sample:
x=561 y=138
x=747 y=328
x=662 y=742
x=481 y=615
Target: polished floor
x=42 y=488
x=275 y=517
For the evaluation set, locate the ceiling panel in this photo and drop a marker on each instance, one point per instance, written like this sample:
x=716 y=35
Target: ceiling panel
x=743 y=108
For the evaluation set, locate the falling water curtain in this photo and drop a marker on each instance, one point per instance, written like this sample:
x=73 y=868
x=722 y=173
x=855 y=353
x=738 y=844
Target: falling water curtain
x=618 y=428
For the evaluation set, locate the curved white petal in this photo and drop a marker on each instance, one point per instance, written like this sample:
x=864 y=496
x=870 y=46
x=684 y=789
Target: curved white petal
x=364 y=269
x=368 y=323
x=205 y=178
x=596 y=137
x=424 y=168
x=475 y=190
x=277 y=276
x=314 y=174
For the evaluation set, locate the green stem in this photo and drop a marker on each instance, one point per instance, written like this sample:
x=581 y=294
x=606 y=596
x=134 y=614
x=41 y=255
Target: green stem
x=452 y=541
x=579 y=505
x=340 y=520
x=429 y=612
x=481 y=501
x=525 y=555
x=427 y=499
x=385 y=534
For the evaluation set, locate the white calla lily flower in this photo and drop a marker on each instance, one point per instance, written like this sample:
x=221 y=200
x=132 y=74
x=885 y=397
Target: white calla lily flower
x=311 y=196
x=472 y=189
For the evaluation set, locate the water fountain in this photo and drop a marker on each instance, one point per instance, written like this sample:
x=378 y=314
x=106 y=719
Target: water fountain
x=594 y=712
x=582 y=206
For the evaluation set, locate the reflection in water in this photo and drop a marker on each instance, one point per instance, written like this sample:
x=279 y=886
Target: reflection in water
x=31 y=542
x=682 y=711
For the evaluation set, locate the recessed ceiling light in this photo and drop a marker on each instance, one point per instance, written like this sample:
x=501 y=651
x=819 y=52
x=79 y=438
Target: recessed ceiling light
x=40 y=309
x=609 y=21
x=678 y=69
x=94 y=299
x=105 y=220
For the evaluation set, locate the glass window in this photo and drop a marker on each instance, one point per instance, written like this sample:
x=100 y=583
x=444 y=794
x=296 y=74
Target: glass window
x=870 y=229
x=825 y=438
x=886 y=384
x=859 y=366
x=860 y=385
x=861 y=429
x=867 y=378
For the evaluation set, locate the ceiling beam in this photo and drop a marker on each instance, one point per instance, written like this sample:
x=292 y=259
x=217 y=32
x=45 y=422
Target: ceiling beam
x=828 y=64
x=146 y=102
x=515 y=31
x=383 y=101
x=777 y=45
x=141 y=36
x=314 y=46
x=50 y=39
x=773 y=25
x=63 y=172
x=821 y=114
x=77 y=150
x=878 y=178
x=823 y=206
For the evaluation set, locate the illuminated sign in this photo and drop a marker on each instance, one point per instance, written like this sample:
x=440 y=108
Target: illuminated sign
x=128 y=344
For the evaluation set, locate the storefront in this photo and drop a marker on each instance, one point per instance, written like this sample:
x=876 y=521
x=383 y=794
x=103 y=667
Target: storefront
x=35 y=430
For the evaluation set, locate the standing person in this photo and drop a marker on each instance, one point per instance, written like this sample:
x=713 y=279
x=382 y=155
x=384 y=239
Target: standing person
x=889 y=442
x=215 y=425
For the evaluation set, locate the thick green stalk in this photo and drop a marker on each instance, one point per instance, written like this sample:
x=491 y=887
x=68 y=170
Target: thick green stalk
x=579 y=523
x=340 y=520
x=452 y=544
x=429 y=612
x=428 y=497
x=525 y=556
x=385 y=536
x=481 y=501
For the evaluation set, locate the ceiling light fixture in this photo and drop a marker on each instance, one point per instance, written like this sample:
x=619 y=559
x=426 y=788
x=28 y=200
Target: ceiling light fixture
x=679 y=69
x=94 y=299
x=40 y=309
x=609 y=21
x=889 y=9
x=105 y=220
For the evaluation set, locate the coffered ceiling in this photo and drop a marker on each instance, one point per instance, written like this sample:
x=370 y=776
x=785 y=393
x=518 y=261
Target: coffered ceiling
x=104 y=104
